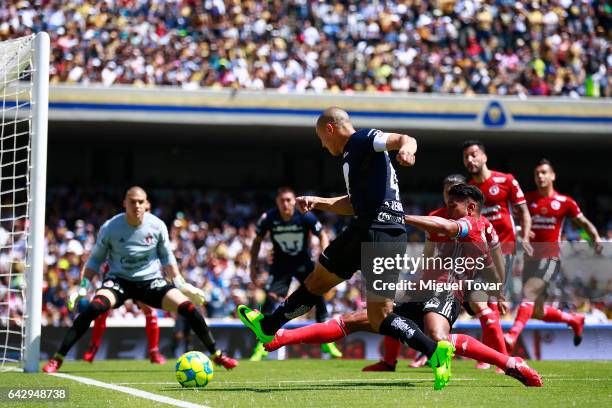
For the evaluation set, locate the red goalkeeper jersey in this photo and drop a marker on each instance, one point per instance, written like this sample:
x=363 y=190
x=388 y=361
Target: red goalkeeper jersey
x=500 y=191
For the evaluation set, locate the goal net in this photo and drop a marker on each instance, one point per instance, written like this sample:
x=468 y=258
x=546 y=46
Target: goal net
x=23 y=119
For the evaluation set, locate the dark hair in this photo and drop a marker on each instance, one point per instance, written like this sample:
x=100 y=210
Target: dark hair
x=469 y=143
x=543 y=162
x=453 y=179
x=466 y=191
x=283 y=190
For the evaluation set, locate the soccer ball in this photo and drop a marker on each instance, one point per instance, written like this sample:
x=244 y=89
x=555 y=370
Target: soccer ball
x=193 y=369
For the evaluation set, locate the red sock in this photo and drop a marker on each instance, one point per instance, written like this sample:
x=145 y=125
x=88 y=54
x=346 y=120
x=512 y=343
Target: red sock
x=98 y=330
x=524 y=313
x=492 y=334
x=469 y=347
x=317 y=333
x=152 y=330
x=552 y=314
x=392 y=349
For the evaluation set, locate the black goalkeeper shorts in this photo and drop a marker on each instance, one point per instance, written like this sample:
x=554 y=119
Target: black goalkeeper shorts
x=150 y=292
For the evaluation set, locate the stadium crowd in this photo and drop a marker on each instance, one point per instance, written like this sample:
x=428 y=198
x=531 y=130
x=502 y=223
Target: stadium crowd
x=536 y=47
x=211 y=235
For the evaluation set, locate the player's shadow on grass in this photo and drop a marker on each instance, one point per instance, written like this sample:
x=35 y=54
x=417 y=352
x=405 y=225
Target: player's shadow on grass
x=342 y=386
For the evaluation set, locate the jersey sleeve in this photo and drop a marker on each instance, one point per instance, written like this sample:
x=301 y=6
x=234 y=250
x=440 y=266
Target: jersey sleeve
x=164 y=250
x=573 y=210
x=465 y=226
x=263 y=225
x=372 y=140
x=313 y=224
x=517 y=196
x=100 y=249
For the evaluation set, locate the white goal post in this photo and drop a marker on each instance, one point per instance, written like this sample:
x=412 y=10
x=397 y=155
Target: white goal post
x=24 y=89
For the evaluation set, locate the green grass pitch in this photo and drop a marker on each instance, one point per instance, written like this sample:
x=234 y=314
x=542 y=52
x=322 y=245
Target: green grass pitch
x=318 y=383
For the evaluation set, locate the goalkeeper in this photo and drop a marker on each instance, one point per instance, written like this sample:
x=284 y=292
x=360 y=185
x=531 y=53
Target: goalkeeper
x=134 y=244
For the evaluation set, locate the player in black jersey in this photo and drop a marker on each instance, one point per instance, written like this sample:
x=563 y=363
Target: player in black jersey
x=290 y=234
x=373 y=199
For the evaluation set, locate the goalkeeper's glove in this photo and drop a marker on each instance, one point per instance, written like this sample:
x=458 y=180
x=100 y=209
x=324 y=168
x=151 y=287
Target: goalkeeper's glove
x=194 y=294
x=75 y=296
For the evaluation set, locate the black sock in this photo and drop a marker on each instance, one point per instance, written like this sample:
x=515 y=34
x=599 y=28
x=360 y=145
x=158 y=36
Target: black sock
x=98 y=306
x=321 y=314
x=198 y=325
x=407 y=331
x=297 y=304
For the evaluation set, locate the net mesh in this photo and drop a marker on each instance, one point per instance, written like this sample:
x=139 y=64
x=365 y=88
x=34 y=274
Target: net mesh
x=15 y=165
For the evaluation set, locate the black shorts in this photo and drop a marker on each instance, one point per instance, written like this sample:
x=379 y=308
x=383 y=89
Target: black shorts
x=344 y=255
x=281 y=274
x=150 y=292
x=546 y=269
x=443 y=303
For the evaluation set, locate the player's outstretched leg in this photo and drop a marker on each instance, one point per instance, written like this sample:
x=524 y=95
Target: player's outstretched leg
x=468 y=346
x=99 y=305
x=96 y=337
x=318 y=333
x=296 y=304
x=321 y=316
x=201 y=329
x=175 y=301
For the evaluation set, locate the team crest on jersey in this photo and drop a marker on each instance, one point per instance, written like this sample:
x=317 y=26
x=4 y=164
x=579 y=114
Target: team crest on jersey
x=494 y=189
x=555 y=205
x=149 y=239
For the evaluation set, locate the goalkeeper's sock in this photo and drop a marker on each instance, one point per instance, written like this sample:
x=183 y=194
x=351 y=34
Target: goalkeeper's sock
x=98 y=306
x=198 y=325
x=408 y=332
x=152 y=330
x=554 y=315
x=297 y=304
x=391 y=350
x=98 y=330
x=469 y=347
x=492 y=334
x=524 y=313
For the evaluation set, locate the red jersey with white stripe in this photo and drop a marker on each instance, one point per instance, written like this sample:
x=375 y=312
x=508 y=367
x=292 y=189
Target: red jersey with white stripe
x=500 y=191
x=547 y=217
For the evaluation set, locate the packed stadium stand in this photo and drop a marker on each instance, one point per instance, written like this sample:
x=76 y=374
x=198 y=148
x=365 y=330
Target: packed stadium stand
x=550 y=47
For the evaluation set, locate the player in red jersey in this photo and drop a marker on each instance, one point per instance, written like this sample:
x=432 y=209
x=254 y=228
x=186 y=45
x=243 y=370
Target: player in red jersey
x=489 y=321
x=151 y=328
x=437 y=313
x=501 y=190
x=548 y=210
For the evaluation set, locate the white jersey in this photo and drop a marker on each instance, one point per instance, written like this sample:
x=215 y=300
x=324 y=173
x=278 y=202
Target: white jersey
x=132 y=253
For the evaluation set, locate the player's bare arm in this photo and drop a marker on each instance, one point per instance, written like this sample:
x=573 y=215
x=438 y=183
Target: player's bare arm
x=525 y=220
x=254 y=255
x=339 y=205
x=583 y=222
x=194 y=294
x=406 y=147
x=434 y=225
x=323 y=240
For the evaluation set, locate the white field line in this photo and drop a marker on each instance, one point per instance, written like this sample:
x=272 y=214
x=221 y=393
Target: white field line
x=371 y=380
x=131 y=391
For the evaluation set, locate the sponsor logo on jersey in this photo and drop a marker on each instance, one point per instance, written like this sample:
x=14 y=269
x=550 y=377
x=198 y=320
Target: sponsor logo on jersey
x=555 y=205
x=544 y=210
x=500 y=180
x=494 y=189
x=158 y=283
